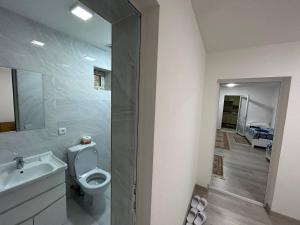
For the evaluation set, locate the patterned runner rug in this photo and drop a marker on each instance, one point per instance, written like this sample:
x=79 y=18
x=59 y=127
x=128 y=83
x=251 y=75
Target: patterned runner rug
x=218 y=166
x=222 y=140
x=240 y=139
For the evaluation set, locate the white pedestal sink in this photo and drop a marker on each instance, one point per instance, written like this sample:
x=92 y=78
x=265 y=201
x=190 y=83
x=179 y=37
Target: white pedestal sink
x=34 y=194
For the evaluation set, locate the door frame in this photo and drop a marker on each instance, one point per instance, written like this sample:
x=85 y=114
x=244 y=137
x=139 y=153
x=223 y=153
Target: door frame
x=126 y=41
x=285 y=83
x=149 y=10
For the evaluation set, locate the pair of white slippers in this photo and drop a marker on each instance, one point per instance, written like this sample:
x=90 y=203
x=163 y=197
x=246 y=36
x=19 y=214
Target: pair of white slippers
x=196 y=214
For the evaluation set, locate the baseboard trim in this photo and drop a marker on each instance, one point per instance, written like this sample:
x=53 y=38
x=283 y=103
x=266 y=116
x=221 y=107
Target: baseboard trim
x=200 y=190
x=290 y=219
x=268 y=208
x=277 y=216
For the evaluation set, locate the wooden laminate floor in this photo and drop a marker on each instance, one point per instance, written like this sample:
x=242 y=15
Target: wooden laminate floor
x=245 y=171
x=224 y=209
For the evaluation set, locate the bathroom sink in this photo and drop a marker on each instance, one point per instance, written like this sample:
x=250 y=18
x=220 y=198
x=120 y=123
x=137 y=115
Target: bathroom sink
x=35 y=168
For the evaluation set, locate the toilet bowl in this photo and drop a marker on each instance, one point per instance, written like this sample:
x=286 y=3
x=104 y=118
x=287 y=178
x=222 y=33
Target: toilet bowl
x=83 y=167
x=94 y=182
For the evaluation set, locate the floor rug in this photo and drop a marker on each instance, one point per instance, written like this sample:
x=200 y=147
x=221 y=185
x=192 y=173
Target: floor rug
x=222 y=140
x=218 y=166
x=240 y=139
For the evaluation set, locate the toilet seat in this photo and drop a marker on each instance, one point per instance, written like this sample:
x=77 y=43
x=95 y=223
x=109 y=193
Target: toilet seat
x=85 y=161
x=89 y=176
x=85 y=182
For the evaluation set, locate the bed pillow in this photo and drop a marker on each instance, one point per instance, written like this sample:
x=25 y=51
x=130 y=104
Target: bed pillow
x=263 y=130
x=259 y=125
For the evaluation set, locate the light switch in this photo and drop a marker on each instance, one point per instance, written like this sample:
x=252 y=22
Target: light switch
x=62 y=131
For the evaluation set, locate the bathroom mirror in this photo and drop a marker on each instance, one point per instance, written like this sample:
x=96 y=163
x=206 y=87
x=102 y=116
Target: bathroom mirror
x=21 y=100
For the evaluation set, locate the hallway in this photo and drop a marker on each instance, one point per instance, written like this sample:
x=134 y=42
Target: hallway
x=245 y=170
x=226 y=210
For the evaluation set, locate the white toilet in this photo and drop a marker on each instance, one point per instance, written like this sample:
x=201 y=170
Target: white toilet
x=83 y=167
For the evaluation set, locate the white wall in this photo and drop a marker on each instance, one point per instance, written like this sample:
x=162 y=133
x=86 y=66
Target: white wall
x=263 y=98
x=6 y=96
x=179 y=88
x=265 y=61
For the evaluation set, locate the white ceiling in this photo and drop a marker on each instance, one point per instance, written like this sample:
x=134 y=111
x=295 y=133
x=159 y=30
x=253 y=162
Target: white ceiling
x=56 y=15
x=232 y=24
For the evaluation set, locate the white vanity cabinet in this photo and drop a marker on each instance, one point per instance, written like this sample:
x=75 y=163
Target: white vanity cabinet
x=54 y=214
x=41 y=201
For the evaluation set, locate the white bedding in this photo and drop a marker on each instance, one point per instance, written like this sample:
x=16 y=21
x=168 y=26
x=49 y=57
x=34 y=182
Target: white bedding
x=261 y=142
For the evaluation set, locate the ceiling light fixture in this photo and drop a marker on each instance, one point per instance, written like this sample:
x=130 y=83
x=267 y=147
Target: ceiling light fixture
x=81 y=12
x=231 y=85
x=89 y=58
x=37 y=43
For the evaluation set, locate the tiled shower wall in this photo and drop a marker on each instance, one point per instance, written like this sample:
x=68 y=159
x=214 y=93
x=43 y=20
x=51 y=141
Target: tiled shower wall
x=70 y=99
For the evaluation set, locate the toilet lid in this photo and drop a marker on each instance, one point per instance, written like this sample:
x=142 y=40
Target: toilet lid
x=86 y=160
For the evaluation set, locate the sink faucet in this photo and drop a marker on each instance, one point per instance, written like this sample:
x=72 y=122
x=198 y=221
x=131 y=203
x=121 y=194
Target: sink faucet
x=20 y=162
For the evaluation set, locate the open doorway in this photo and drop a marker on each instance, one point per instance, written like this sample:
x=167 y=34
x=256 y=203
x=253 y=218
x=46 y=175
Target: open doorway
x=246 y=123
x=76 y=95
x=230 y=111
x=235 y=112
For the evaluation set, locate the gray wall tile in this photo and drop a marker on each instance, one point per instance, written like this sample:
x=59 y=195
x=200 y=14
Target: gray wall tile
x=125 y=84
x=69 y=97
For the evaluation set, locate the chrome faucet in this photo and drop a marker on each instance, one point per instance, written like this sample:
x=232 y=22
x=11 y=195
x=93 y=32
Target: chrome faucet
x=20 y=162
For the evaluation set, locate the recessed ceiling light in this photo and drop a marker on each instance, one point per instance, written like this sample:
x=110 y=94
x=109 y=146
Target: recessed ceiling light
x=231 y=85
x=89 y=58
x=38 y=43
x=81 y=13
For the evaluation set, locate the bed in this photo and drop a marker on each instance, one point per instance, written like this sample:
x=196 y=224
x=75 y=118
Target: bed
x=259 y=134
x=269 y=151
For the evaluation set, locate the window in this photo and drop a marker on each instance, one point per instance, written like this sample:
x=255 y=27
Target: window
x=99 y=80
x=102 y=79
